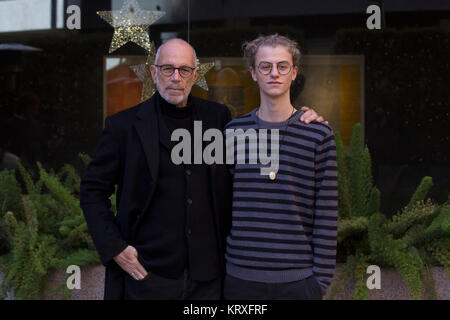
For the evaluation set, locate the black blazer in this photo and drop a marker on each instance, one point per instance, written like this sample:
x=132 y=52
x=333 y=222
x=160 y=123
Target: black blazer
x=128 y=155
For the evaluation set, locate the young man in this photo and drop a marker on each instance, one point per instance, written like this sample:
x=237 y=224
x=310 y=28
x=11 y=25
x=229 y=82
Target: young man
x=167 y=239
x=282 y=243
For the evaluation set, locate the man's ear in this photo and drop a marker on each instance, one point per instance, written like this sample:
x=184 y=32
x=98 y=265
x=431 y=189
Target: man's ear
x=153 y=71
x=195 y=74
x=294 y=73
x=252 y=72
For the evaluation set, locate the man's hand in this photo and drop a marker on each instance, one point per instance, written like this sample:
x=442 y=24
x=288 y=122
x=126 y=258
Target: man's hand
x=128 y=261
x=310 y=115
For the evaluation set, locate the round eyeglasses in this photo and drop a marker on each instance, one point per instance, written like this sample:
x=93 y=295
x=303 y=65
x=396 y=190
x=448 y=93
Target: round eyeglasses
x=168 y=70
x=283 y=67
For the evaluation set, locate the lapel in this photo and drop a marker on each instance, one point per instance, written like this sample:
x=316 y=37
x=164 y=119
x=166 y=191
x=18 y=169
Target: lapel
x=146 y=126
x=201 y=113
x=164 y=133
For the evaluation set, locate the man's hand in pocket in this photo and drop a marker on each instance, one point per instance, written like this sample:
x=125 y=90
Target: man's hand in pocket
x=128 y=261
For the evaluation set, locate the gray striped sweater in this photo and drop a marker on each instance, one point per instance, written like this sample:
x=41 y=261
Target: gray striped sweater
x=285 y=229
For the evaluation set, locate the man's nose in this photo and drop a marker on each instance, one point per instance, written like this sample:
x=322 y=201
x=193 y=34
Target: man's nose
x=176 y=75
x=274 y=72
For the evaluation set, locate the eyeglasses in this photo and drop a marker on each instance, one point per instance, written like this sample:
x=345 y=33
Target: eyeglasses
x=283 y=67
x=168 y=70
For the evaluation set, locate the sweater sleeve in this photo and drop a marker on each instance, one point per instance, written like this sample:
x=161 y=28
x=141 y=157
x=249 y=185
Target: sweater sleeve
x=324 y=238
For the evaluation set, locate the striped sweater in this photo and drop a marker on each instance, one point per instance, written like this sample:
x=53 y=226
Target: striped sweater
x=285 y=229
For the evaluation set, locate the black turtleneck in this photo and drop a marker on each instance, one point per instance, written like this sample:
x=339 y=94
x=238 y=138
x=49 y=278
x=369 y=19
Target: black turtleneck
x=176 y=117
x=178 y=231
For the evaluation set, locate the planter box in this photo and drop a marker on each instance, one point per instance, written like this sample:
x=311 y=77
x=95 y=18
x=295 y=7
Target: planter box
x=393 y=286
x=92 y=283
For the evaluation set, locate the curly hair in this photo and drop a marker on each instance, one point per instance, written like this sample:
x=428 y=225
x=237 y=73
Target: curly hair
x=250 y=48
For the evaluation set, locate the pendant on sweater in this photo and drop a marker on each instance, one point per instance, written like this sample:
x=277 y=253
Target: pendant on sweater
x=272 y=175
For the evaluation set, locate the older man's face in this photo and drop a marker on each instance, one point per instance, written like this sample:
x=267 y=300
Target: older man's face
x=175 y=88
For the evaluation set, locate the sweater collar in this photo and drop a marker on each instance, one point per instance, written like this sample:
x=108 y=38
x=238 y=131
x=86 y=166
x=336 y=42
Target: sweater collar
x=170 y=110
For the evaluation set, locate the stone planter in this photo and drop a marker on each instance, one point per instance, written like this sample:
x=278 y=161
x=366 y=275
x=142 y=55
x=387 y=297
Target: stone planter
x=92 y=283
x=393 y=286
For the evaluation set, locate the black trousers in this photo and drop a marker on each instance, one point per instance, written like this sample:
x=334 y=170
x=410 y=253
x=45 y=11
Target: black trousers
x=154 y=287
x=239 y=289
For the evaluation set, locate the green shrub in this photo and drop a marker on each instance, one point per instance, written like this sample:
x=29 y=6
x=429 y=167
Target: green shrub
x=51 y=233
x=416 y=237
x=10 y=200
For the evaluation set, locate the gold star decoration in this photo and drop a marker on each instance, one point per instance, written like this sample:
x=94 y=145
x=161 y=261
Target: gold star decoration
x=144 y=74
x=130 y=24
x=203 y=68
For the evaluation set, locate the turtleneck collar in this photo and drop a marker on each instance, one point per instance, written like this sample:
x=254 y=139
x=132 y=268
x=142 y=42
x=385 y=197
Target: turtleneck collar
x=170 y=110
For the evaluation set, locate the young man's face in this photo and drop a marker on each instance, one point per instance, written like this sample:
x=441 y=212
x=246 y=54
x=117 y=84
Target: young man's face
x=175 y=89
x=273 y=70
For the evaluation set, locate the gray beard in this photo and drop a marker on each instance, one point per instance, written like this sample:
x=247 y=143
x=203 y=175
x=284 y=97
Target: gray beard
x=168 y=98
x=172 y=100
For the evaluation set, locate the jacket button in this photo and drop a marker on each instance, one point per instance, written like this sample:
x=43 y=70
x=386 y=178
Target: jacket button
x=189 y=231
x=188 y=172
x=189 y=201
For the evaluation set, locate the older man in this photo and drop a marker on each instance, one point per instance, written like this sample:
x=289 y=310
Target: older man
x=167 y=240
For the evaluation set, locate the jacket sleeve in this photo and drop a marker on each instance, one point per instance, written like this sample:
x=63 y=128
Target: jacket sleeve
x=96 y=187
x=324 y=238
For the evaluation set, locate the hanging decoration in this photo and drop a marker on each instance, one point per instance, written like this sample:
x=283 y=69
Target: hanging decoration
x=130 y=24
x=203 y=68
x=144 y=74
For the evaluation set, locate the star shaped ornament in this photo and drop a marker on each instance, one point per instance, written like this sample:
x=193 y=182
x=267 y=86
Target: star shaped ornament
x=144 y=74
x=203 y=68
x=130 y=24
